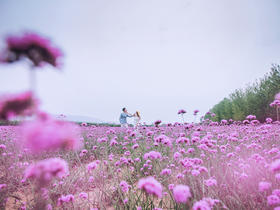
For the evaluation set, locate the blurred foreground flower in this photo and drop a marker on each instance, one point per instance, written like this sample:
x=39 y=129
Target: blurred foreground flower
x=23 y=104
x=33 y=47
x=44 y=171
x=36 y=48
x=50 y=135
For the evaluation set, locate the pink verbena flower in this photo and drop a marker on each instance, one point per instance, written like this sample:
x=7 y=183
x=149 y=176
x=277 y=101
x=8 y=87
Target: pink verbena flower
x=275 y=166
x=22 y=104
x=251 y=117
x=101 y=140
x=180 y=176
x=181 y=193
x=165 y=171
x=191 y=150
x=275 y=103
x=49 y=207
x=273 y=200
x=125 y=187
x=92 y=166
x=201 y=205
x=91 y=179
x=32 y=46
x=211 y=202
x=195 y=112
x=277 y=176
x=264 y=186
x=84 y=124
x=3 y=186
x=177 y=155
x=50 y=135
x=113 y=142
x=195 y=172
x=83 y=195
x=83 y=153
x=255 y=122
x=202 y=169
x=135 y=146
x=182 y=139
x=276 y=192
x=268 y=120
x=2 y=146
x=171 y=186
x=45 y=170
x=210 y=182
x=157 y=123
x=65 y=199
x=152 y=155
x=151 y=186
x=182 y=111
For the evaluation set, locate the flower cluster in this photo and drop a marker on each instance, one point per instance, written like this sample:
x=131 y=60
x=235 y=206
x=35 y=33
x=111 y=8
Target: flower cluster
x=151 y=186
x=23 y=104
x=182 y=111
x=50 y=135
x=157 y=122
x=36 y=48
x=44 y=171
x=181 y=193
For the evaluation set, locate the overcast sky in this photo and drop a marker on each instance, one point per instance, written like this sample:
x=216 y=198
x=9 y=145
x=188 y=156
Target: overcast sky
x=154 y=56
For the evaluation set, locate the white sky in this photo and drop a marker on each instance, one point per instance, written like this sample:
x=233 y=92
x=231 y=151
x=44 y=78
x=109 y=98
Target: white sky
x=155 y=56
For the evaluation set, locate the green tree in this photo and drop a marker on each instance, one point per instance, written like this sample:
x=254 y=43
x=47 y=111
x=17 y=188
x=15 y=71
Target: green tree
x=254 y=99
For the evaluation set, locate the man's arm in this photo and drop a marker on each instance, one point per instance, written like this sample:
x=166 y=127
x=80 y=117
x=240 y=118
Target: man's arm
x=129 y=115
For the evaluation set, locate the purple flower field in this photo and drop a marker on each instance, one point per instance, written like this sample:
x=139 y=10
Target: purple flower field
x=178 y=166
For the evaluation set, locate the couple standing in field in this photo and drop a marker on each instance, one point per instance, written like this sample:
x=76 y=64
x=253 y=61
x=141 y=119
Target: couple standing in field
x=125 y=115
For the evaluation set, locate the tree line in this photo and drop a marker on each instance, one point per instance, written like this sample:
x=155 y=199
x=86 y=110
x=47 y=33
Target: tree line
x=251 y=100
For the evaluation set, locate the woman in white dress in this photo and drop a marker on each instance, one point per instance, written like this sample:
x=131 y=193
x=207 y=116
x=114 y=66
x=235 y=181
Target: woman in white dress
x=137 y=119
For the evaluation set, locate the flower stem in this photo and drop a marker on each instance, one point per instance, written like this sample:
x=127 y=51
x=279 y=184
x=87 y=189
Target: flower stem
x=32 y=80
